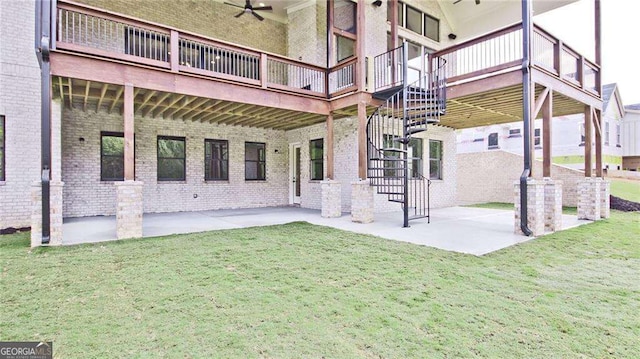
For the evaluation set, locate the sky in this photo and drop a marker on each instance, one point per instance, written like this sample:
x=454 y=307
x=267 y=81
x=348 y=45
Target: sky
x=574 y=24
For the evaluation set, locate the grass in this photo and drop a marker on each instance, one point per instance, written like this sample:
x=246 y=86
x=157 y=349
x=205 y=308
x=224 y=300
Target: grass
x=626 y=189
x=300 y=290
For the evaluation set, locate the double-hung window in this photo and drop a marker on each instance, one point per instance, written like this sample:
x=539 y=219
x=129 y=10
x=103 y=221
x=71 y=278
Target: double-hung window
x=216 y=160
x=111 y=156
x=435 y=159
x=171 y=158
x=316 y=156
x=255 y=161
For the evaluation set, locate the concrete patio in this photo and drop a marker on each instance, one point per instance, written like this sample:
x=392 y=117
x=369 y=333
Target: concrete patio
x=468 y=230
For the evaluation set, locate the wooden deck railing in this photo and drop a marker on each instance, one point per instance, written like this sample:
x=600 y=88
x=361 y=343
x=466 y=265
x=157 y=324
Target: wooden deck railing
x=92 y=31
x=502 y=50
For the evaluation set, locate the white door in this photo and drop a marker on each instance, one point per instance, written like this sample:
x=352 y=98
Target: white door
x=294 y=172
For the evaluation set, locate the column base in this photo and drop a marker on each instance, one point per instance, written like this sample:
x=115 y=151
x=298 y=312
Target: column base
x=361 y=202
x=589 y=198
x=129 y=209
x=55 y=213
x=535 y=207
x=605 y=198
x=552 y=205
x=331 y=199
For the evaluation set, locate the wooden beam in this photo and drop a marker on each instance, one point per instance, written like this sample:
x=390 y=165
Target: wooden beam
x=547 y=117
x=83 y=67
x=116 y=99
x=146 y=99
x=598 y=44
x=161 y=111
x=558 y=86
x=129 y=145
x=394 y=22
x=329 y=146
x=184 y=104
x=588 y=120
x=362 y=140
x=596 y=124
x=360 y=45
x=486 y=84
x=70 y=89
x=61 y=90
x=539 y=102
x=86 y=95
x=597 y=119
x=103 y=91
x=158 y=102
x=194 y=106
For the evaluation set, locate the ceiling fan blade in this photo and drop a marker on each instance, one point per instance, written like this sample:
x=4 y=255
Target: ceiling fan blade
x=232 y=4
x=264 y=8
x=457 y=1
x=240 y=14
x=257 y=16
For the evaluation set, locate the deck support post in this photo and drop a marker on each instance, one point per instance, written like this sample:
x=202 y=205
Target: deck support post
x=362 y=140
x=547 y=114
x=129 y=206
x=329 y=147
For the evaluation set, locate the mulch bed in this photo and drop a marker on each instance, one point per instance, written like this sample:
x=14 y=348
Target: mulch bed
x=623 y=205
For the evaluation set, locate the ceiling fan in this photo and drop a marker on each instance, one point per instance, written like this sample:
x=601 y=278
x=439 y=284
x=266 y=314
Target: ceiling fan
x=457 y=1
x=249 y=9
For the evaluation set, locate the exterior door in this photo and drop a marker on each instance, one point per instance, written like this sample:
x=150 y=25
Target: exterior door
x=295 y=173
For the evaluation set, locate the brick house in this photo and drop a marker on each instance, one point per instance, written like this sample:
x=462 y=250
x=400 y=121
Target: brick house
x=338 y=105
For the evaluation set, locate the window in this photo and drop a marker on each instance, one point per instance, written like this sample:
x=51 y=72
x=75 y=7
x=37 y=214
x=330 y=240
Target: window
x=111 y=156
x=216 y=160
x=417 y=21
x=435 y=159
x=493 y=141
x=345 y=15
x=316 y=154
x=391 y=168
x=414 y=20
x=515 y=133
x=582 y=138
x=2 y=174
x=618 y=135
x=415 y=157
x=171 y=158
x=606 y=133
x=345 y=48
x=536 y=137
x=254 y=161
x=431 y=27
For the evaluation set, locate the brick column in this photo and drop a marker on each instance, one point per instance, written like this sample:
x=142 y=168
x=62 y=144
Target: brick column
x=605 y=200
x=589 y=199
x=129 y=209
x=552 y=205
x=361 y=202
x=55 y=203
x=535 y=206
x=331 y=199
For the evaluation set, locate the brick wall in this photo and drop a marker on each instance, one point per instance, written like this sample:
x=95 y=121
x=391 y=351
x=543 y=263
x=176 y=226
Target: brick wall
x=20 y=104
x=489 y=177
x=209 y=18
x=86 y=195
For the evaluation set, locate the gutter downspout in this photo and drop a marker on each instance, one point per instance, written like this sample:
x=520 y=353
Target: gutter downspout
x=526 y=115
x=43 y=43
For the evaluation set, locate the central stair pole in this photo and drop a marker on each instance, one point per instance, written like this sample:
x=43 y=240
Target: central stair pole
x=405 y=133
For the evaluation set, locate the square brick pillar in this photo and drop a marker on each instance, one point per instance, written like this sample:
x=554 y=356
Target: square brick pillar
x=361 y=202
x=129 y=209
x=552 y=205
x=331 y=199
x=55 y=212
x=605 y=199
x=589 y=201
x=535 y=206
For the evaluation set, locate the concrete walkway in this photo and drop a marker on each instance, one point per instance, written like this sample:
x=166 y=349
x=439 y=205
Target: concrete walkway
x=460 y=229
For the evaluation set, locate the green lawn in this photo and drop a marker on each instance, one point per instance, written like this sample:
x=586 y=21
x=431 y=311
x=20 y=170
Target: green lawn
x=627 y=189
x=304 y=291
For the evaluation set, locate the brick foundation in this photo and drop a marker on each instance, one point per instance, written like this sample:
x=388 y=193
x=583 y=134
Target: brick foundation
x=361 y=202
x=129 y=209
x=535 y=206
x=55 y=200
x=552 y=205
x=605 y=200
x=331 y=199
x=589 y=199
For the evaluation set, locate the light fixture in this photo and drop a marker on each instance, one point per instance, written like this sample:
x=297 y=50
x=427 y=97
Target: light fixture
x=377 y=3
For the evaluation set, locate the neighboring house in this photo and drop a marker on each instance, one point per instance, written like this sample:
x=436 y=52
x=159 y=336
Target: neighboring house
x=163 y=106
x=631 y=138
x=568 y=140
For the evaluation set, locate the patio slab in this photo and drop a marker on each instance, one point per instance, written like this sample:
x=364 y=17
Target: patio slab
x=468 y=230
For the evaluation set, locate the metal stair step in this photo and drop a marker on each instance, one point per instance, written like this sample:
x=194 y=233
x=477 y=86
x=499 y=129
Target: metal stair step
x=393 y=149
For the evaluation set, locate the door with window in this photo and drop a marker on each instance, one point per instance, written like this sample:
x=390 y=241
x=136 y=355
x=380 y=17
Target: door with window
x=294 y=171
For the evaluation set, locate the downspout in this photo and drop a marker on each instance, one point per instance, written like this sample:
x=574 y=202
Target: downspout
x=526 y=115
x=43 y=42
